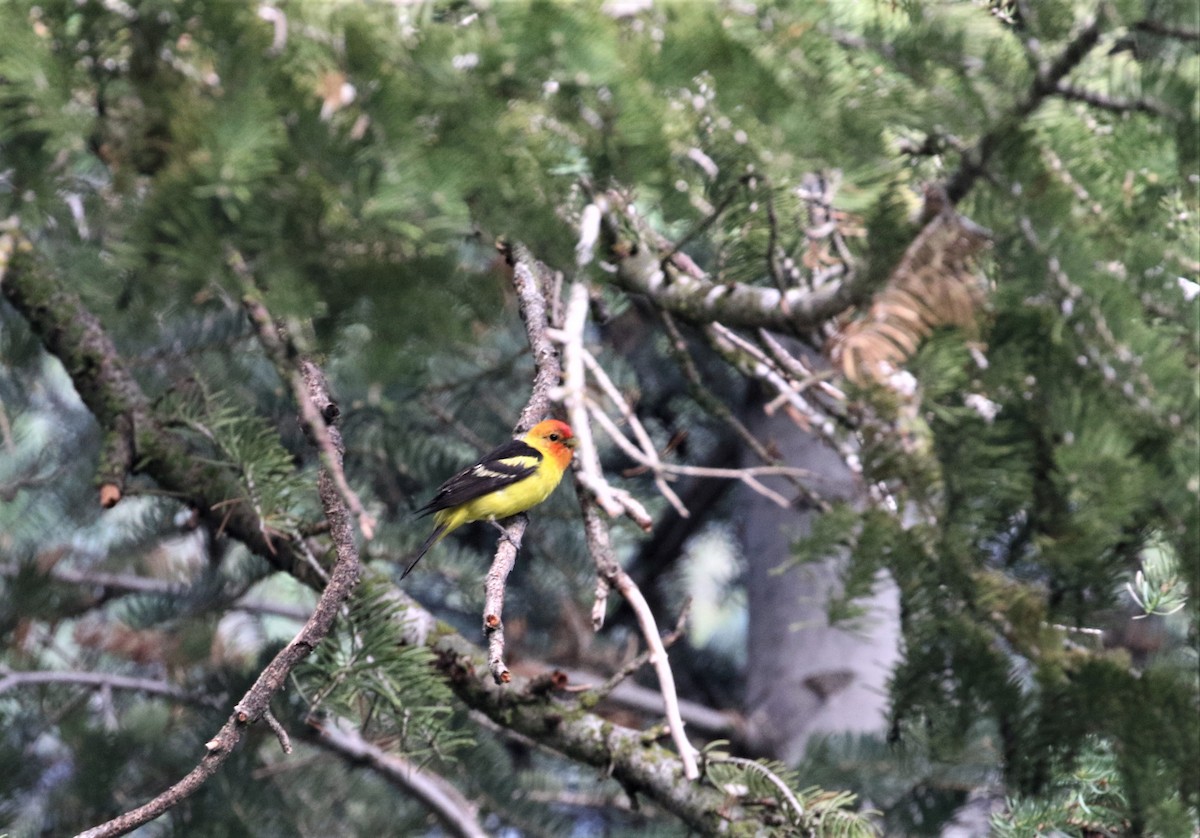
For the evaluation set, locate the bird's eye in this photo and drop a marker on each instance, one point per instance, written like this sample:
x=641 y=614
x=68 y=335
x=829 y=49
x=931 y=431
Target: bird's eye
x=554 y=437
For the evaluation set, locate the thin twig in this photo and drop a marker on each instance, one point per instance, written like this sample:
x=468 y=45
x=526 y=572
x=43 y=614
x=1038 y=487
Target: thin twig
x=614 y=680
x=1167 y=30
x=283 y=355
x=600 y=547
x=572 y=393
x=773 y=267
x=649 y=451
x=703 y=396
x=650 y=461
x=285 y=741
x=730 y=344
x=1045 y=84
x=746 y=475
x=530 y=280
x=11 y=679
x=704 y=224
x=452 y=808
x=798 y=370
x=646 y=454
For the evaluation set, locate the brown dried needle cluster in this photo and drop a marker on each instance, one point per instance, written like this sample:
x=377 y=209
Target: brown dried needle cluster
x=935 y=284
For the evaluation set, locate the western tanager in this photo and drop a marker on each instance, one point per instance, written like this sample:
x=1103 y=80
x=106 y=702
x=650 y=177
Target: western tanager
x=518 y=475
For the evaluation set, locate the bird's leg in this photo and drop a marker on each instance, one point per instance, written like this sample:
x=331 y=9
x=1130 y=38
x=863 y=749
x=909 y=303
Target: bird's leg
x=503 y=532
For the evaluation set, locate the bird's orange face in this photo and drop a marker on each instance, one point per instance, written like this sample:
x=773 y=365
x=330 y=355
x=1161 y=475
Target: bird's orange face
x=557 y=437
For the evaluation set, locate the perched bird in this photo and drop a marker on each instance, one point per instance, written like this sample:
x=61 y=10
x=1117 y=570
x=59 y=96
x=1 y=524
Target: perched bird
x=518 y=475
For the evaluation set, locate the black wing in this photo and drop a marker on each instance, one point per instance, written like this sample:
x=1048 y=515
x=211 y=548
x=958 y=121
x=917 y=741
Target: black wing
x=512 y=461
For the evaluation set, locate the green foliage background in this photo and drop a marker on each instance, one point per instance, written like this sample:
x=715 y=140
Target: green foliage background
x=362 y=163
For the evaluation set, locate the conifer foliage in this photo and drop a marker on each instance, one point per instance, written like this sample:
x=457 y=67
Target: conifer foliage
x=983 y=215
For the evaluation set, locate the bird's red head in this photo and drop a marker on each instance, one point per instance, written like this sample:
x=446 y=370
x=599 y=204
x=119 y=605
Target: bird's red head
x=554 y=432
x=555 y=437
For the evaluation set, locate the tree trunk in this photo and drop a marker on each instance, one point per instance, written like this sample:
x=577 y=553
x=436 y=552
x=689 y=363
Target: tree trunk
x=804 y=676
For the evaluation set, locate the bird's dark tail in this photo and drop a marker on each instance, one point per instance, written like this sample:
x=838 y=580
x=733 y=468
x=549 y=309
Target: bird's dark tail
x=434 y=537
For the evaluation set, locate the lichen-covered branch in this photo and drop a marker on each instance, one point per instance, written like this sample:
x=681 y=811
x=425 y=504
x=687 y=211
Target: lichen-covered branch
x=650 y=266
x=640 y=765
x=105 y=383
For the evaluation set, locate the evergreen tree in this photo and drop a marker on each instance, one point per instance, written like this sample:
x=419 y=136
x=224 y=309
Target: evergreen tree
x=955 y=245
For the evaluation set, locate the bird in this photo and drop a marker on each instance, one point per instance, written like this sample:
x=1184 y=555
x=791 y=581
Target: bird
x=514 y=477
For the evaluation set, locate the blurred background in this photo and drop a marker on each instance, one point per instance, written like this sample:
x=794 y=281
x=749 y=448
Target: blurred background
x=974 y=608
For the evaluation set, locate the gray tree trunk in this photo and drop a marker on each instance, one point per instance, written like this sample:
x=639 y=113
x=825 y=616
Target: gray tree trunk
x=804 y=676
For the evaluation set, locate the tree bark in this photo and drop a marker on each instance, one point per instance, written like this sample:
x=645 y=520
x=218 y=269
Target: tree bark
x=804 y=676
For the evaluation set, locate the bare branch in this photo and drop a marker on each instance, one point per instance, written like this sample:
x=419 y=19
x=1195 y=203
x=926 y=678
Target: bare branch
x=11 y=679
x=530 y=281
x=455 y=812
x=582 y=409
x=618 y=677
x=549 y=372
x=613 y=501
x=703 y=396
x=600 y=546
x=283 y=355
x=511 y=534
x=255 y=704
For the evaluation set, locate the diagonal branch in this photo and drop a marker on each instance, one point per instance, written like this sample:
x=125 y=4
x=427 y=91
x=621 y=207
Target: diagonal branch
x=106 y=384
x=1045 y=83
x=255 y=704
x=600 y=546
x=283 y=354
x=457 y=814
